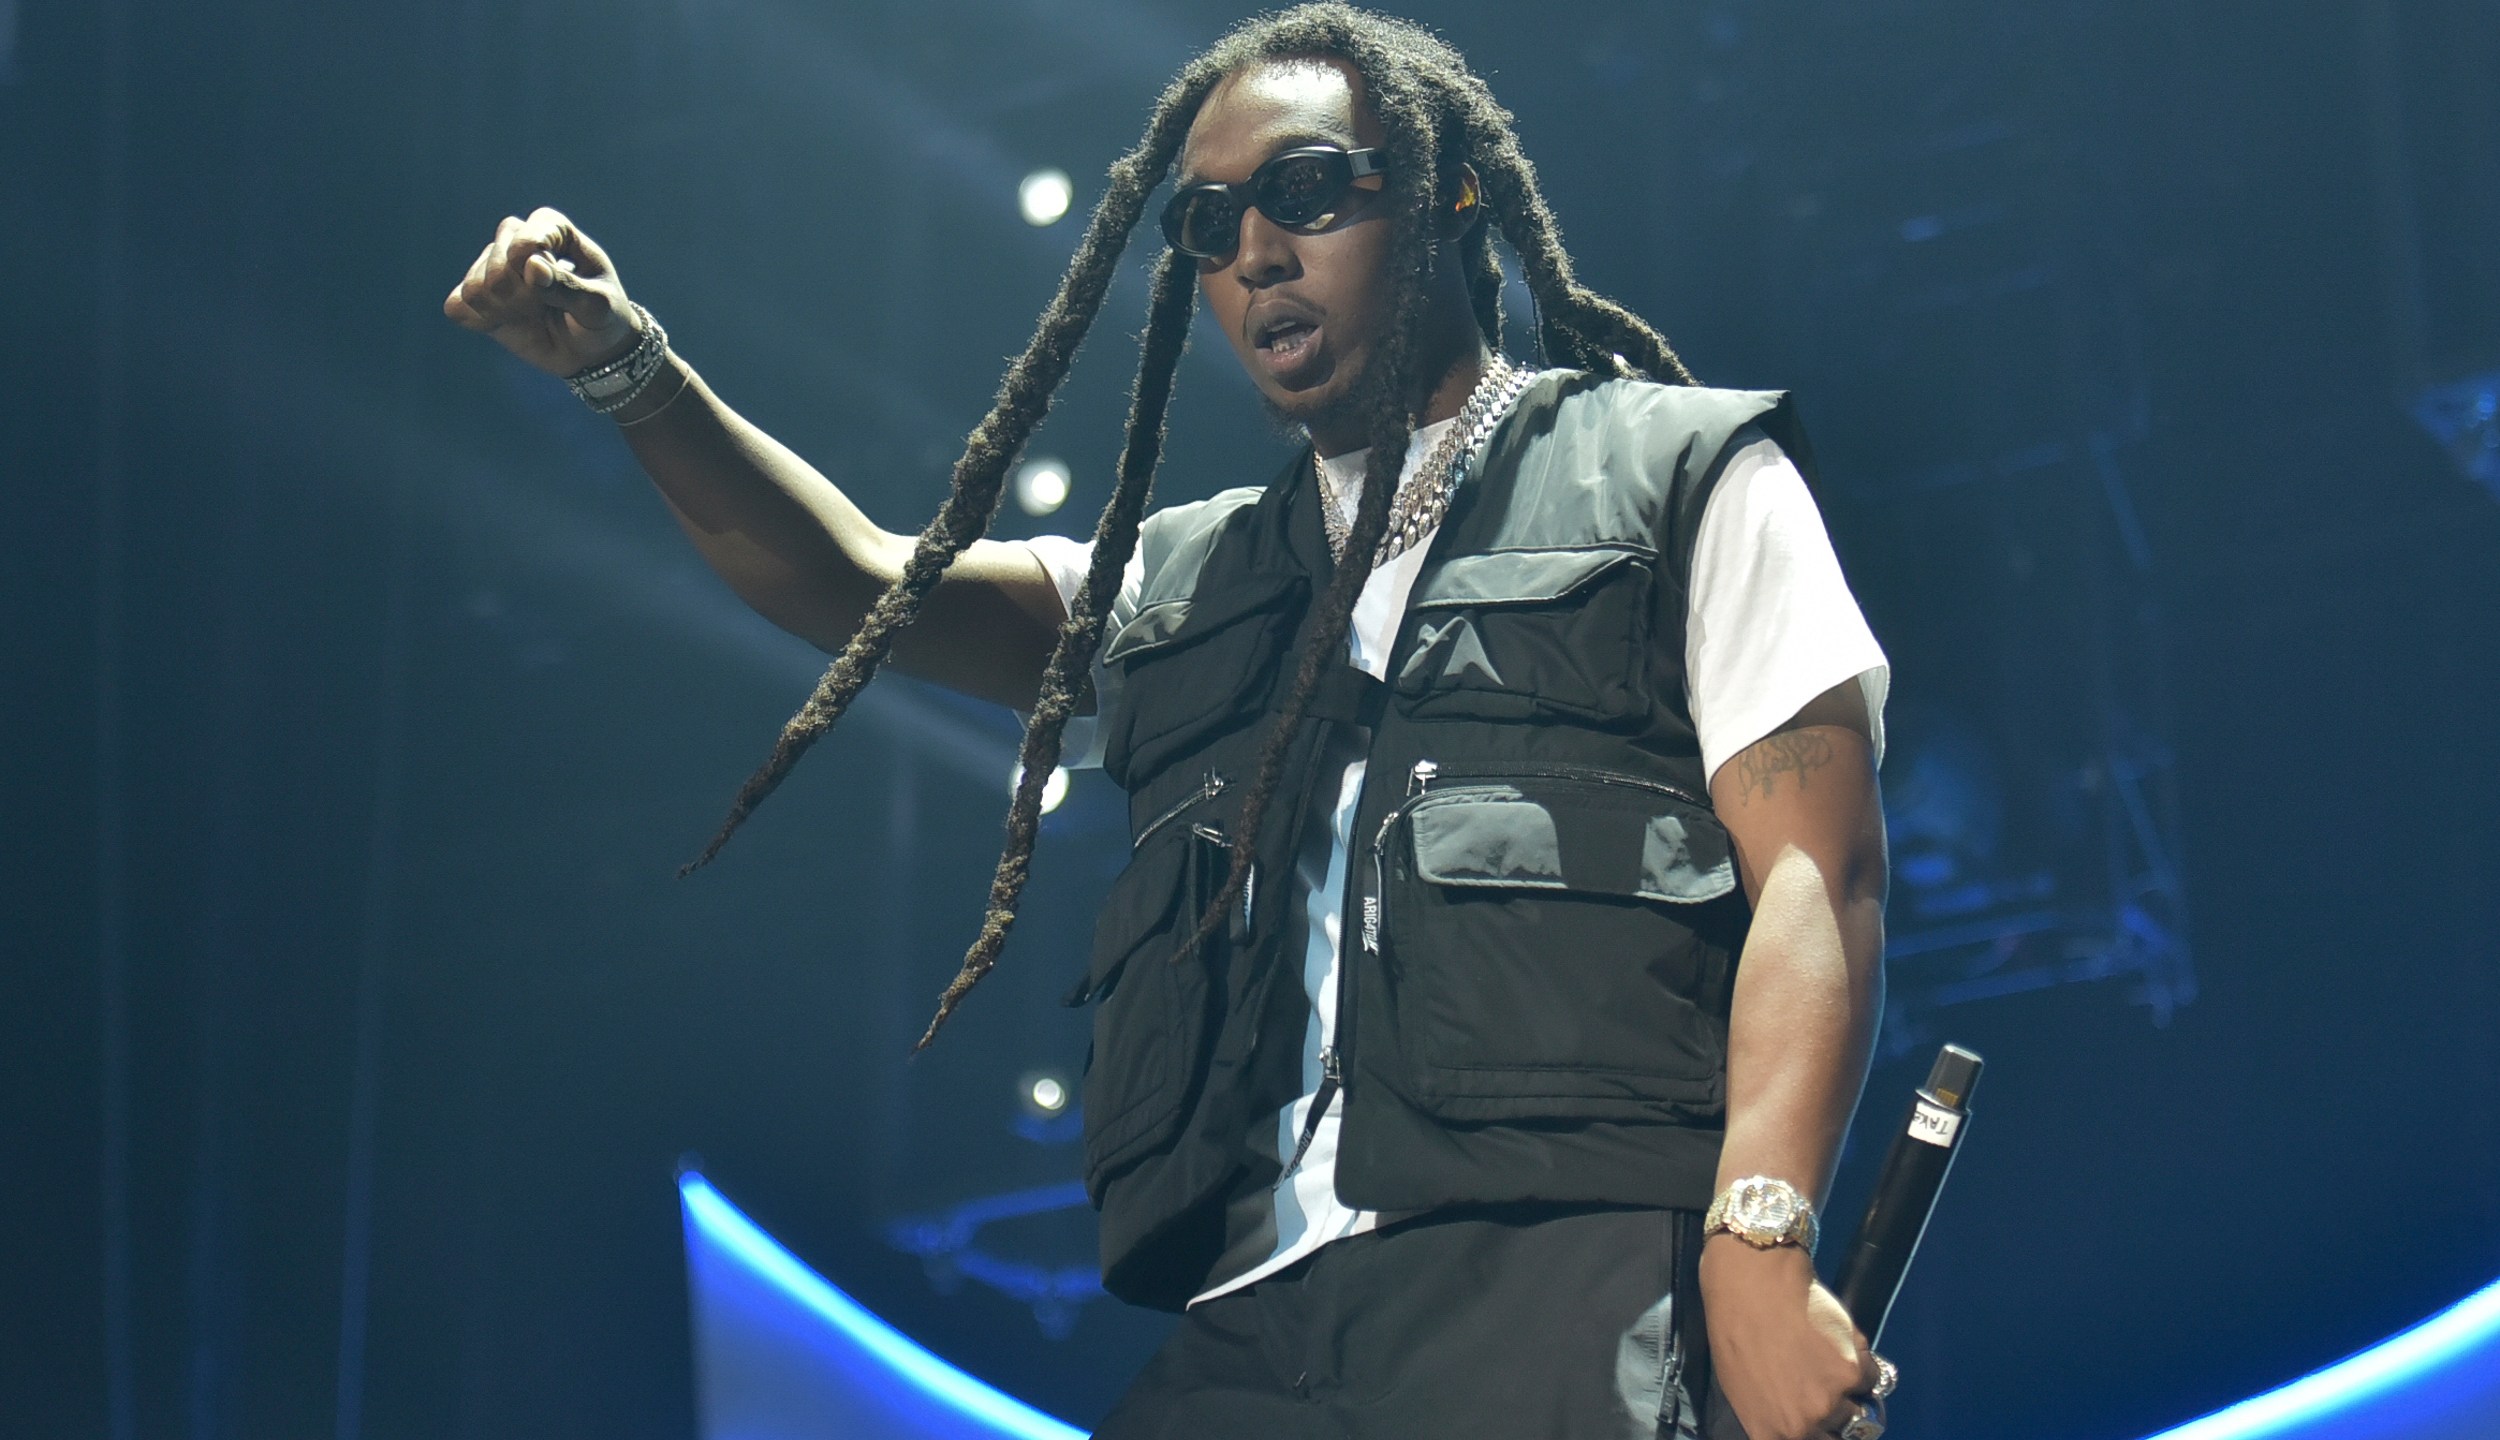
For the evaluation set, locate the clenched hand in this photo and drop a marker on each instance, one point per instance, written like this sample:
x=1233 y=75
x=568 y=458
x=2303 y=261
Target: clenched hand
x=546 y=292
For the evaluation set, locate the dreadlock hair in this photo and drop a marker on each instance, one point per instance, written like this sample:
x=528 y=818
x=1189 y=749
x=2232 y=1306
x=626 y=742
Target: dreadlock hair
x=1435 y=114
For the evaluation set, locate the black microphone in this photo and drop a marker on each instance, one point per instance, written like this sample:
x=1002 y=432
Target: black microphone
x=1906 y=1191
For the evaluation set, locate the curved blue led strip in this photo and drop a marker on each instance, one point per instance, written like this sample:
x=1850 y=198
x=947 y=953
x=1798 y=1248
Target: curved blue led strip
x=2438 y=1380
x=763 y=1321
x=786 y=1355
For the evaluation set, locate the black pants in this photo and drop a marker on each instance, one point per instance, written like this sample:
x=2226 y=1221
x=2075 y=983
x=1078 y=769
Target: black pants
x=1509 y=1323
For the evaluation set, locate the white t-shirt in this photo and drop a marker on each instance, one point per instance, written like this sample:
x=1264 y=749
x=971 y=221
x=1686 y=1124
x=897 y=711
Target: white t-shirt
x=1770 y=625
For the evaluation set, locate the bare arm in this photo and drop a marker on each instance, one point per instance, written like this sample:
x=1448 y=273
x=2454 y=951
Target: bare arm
x=788 y=541
x=1803 y=808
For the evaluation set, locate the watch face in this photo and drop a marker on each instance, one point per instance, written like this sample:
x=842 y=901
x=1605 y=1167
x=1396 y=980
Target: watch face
x=1763 y=1209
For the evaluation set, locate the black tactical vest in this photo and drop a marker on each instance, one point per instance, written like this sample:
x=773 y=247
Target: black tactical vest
x=1542 y=910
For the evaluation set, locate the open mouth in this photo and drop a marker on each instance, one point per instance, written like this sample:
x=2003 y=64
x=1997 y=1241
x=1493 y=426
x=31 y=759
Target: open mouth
x=1286 y=338
x=1287 y=342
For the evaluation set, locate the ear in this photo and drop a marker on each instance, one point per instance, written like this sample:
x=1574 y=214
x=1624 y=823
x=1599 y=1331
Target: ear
x=1464 y=198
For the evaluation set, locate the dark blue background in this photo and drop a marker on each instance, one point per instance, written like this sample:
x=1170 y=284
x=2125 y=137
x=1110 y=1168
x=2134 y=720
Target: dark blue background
x=359 y=699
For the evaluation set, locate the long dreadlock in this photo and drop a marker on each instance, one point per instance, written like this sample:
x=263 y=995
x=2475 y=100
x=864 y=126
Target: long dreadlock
x=1080 y=638
x=1434 y=113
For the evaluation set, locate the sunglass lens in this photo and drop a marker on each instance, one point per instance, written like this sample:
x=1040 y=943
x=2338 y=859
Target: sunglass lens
x=1301 y=189
x=1204 y=223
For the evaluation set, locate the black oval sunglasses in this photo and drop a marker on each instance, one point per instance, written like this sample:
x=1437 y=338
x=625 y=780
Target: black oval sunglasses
x=1300 y=189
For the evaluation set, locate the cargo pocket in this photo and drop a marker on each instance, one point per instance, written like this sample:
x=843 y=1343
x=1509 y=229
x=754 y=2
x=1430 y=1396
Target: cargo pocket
x=1558 y=947
x=1152 y=1013
x=1191 y=668
x=1532 y=634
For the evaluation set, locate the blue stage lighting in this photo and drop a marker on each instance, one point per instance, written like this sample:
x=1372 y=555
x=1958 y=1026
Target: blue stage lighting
x=784 y=1354
x=2464 y=417
x=2439 y=1380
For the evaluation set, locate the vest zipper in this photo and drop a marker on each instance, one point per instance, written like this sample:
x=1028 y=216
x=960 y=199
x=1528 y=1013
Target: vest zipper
x=1331 y=1057
x=1375 y=905
x=1207 y=790
x=1550 y=770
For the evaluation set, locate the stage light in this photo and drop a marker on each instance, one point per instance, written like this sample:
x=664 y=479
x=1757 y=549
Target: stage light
x=1045 y=1093
x=1054 y=789
x=1042 y=485
x=1044 y=197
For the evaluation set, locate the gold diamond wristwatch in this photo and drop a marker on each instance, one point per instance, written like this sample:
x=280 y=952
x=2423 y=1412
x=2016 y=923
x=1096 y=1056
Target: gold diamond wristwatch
x=1763 y=1213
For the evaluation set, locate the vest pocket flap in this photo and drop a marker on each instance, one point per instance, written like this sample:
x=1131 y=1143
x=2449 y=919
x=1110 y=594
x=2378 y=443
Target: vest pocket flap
x=1520 y=577
x=1176 y=621
x=1594 y=840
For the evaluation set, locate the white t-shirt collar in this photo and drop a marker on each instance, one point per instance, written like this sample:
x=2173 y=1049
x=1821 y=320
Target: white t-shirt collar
x=1345 y=472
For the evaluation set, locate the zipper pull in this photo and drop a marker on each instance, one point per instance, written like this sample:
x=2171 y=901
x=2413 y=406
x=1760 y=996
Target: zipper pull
x=1332 y=1077
x=1418 y=780
x=1249 y=896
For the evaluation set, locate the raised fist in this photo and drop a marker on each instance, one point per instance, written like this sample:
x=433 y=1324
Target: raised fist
x=547 y=293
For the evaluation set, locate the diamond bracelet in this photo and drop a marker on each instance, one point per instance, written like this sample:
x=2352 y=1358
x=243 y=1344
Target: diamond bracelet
x=611 y=387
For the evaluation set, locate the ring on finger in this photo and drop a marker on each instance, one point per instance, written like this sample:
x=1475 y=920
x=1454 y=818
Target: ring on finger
x=1862 y=1426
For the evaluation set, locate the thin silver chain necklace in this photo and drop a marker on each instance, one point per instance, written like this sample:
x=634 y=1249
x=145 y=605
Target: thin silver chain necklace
x=1425 y=497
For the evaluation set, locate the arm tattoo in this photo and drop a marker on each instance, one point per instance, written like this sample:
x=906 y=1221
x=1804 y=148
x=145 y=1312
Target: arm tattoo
x=1796 y=752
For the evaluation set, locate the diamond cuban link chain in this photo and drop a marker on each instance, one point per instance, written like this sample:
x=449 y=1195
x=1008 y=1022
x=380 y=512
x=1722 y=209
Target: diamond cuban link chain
x=1425 y=497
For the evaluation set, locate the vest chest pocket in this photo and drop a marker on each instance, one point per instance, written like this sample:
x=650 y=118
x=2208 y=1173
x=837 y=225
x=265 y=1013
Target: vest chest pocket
x=1192 y=668
x=1532 y=634
x=1558 y=947
x=1153 y=1015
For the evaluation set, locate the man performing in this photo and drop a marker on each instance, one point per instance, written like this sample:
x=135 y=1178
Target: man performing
x=1496 y=969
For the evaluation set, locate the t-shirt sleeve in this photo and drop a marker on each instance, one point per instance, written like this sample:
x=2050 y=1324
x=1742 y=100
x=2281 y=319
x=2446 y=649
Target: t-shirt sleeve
x=1066 y=560
x=1771 y=623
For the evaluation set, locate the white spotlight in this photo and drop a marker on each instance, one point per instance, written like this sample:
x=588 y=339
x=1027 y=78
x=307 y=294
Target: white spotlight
x=1048 y=1095
x=1054 y=789
x=1044 y=196
x=1042 y=485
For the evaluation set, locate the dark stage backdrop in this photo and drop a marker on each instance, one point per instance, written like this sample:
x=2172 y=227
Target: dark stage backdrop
x=359 y=699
